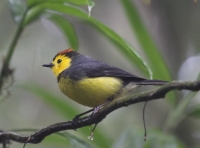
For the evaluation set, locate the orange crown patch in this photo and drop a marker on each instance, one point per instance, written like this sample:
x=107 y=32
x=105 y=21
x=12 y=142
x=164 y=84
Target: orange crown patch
x=66 y=51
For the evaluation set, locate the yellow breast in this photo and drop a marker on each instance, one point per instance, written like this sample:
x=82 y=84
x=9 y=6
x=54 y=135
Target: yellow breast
x=91 y=91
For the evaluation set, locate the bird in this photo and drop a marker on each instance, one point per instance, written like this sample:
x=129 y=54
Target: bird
x=91 y=82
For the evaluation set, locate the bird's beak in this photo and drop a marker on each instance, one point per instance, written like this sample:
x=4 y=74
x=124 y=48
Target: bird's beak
x=48 y=65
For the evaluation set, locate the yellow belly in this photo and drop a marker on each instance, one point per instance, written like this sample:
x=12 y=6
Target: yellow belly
x=91 y=91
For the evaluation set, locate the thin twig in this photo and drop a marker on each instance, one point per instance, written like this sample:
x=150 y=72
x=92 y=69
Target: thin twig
x=144 y=122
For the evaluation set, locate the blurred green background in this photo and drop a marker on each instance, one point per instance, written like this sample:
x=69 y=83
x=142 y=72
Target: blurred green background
x=149 y=38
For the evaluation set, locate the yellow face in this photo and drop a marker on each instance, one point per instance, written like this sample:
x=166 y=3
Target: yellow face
x=60 y=63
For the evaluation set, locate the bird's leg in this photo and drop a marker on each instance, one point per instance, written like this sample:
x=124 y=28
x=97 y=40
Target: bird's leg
x=94 y=111
x=79 y=115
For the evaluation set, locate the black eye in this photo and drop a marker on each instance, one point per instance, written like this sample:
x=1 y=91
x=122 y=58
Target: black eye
x=59 y=61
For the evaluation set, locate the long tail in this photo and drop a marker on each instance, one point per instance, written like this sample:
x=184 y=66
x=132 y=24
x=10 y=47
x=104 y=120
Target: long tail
x=151 y=82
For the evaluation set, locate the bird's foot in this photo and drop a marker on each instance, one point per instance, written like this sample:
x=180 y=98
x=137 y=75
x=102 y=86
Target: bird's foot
x=77 y=117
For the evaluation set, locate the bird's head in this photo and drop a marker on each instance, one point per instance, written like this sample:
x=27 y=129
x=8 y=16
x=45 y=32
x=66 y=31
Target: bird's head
x=61 y=61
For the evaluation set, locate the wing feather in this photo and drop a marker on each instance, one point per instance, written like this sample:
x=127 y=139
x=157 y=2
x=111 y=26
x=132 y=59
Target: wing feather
x=88 y=67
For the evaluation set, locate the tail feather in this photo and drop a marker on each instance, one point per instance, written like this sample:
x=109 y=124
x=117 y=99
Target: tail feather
x=151 y=82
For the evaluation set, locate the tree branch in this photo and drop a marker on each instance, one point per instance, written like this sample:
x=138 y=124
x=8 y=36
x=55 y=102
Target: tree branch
x=122 y=101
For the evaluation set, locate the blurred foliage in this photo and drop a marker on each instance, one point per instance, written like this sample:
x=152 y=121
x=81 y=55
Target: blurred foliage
x=156 y=139
x=27 y=13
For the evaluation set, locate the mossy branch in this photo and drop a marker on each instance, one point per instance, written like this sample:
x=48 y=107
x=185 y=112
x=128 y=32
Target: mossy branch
x=127 y=100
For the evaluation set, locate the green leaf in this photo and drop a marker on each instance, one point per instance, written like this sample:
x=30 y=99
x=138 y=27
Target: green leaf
x=67 y=29
x=156 y=62
x=17 y=8
x=32 y=3
x=155 y=139
x=75 y=141
x=159 y=67
x=64 y=25
x=80 y=2
x=33 y=14
x=122 y=45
